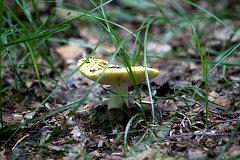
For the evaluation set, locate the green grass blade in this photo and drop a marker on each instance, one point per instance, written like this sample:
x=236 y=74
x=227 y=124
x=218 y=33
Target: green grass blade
x=203 y=57
x=136 y=56
x=36 y=35
x=26 y=11
x=123 y=54
x=230 y=141
x=224 y=57
x=1 y=25
x=35 y=9
x=126 y=131
x=146 y=73
x=34 y=60
x=212 y=15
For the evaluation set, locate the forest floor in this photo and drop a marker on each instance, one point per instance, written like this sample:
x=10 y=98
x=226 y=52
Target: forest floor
x=186 y=124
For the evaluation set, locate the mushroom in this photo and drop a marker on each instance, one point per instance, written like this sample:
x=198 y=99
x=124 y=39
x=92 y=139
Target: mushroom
x=118 y=78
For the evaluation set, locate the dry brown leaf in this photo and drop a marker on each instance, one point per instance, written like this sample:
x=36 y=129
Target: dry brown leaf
x=193 y=66
x=2 y=155
x=89 y=34
x=150 y=154
x=223 y=100
x=158 y=48
x=196 y=154
x=107 y=47
x=225 y=34
x=10 y=119
x=213 y=95
x=70 y=51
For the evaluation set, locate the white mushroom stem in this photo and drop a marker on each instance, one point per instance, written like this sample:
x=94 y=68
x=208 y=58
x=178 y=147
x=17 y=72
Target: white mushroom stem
x=118 y=96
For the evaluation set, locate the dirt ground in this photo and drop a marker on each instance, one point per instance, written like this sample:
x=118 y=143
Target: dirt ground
x=70 y=128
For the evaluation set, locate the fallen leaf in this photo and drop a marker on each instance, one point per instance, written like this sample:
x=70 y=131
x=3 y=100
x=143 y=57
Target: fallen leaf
x=213 y=95
x=110 y=48
x=2 y=155
x=77 y=134
x=158 y=48
x=223 y=100
x=225 y=34
x=10 y=119
x=70 y=51
x=150 y=153
x=196 y=154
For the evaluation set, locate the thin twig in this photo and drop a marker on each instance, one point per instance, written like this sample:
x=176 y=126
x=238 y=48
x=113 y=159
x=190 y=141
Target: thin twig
x=201 y=134
x=19 y=141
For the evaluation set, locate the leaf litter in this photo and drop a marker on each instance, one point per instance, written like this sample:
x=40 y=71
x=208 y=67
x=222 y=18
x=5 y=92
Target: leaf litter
x=180 y=130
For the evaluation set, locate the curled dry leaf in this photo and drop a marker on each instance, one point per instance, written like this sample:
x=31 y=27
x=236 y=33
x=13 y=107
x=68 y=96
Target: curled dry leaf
x=223 y=101
x=70 y=51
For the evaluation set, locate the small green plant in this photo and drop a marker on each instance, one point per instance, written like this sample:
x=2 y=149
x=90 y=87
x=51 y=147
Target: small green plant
x=204 y=61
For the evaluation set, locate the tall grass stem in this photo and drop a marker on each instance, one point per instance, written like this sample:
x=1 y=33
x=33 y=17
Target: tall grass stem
x=1 y=26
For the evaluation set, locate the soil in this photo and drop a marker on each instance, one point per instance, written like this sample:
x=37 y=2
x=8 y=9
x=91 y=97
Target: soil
x=69 y=126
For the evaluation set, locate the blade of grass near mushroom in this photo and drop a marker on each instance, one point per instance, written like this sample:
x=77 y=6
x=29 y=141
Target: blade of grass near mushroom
x=118 y=78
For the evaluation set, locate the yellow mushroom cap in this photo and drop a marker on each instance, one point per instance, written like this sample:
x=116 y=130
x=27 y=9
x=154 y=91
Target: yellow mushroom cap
x=93 y=68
